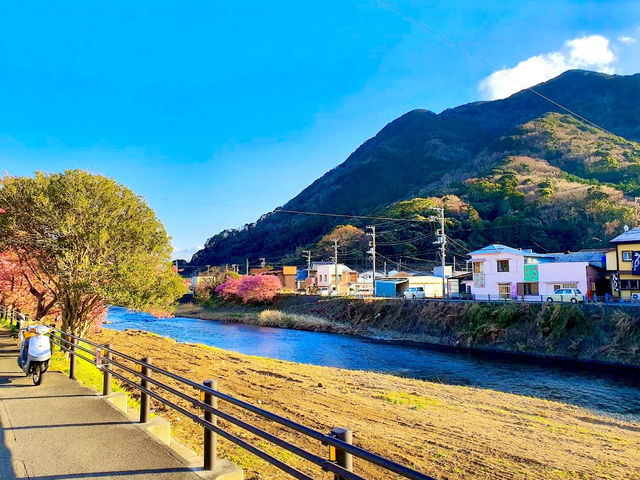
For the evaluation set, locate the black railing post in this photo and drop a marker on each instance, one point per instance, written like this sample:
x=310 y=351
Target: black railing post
x=144 y=398
x=210 y=437
x=72 y=359
x=106 y=374
x=52 y=343
x=342 y=458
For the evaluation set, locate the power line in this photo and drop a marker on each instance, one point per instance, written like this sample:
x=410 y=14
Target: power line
x=344 y=215
x=454 y=45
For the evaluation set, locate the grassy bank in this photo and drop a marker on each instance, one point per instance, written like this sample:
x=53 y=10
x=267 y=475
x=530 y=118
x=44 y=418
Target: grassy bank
x=592 y=332
x=449 y=432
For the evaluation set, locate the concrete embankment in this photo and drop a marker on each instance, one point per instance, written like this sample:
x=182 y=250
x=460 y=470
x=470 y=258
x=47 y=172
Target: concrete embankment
x=598 y=333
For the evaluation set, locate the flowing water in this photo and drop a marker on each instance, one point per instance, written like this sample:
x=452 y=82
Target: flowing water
x=605 y=391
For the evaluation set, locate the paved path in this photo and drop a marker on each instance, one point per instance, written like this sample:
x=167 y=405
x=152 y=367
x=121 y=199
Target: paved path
x=61 y=430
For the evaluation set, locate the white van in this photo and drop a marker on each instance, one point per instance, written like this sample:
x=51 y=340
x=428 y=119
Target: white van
x=414 y=292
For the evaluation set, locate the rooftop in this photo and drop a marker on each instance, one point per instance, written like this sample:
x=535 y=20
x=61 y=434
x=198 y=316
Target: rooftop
x=594 y=257
x=632 y=235
x=498 y=248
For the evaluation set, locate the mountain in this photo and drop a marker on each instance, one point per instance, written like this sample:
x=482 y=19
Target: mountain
x=517 y=170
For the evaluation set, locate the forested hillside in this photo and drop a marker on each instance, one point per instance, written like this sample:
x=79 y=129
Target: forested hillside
x=518 y=171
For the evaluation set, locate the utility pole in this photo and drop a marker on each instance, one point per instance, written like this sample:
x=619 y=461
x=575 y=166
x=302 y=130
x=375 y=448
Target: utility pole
x=385 y=268
x=307 y=253
x=442 y=240
x=372 y=243
x=335 y=263
x=246 y=271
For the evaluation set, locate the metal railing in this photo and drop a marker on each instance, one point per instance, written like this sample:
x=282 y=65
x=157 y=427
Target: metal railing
x=339 y=441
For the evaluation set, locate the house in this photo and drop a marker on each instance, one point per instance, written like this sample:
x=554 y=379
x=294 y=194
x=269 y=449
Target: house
x=623 y=265
x=287 y=275
x=396 y=285
x=322 y=276
x=500 y=271
x=459 y=283
x=301 y=279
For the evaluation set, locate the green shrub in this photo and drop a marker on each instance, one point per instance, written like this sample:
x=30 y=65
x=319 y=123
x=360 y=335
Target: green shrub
x=556 y=320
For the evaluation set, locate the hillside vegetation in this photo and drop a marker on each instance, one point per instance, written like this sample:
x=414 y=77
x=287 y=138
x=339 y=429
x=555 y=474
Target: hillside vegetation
x=507 y=171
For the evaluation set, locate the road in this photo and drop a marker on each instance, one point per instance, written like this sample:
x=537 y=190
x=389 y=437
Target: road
x=61 y=430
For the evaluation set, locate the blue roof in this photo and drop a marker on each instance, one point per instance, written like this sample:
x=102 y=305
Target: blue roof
x=632 y=235
x=498 y=248
x=597 y=258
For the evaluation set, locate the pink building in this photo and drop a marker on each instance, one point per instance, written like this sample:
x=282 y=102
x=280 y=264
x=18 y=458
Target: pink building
x=499 y=271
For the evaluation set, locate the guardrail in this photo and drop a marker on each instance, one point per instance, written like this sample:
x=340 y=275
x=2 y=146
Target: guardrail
x=108 y=360
x=496 y=298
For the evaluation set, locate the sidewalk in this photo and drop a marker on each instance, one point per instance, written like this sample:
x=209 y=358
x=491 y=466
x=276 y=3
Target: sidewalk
x=61 y=430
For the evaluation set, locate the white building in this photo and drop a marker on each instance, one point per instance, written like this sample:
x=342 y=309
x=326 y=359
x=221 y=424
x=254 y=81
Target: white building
x=504 y=272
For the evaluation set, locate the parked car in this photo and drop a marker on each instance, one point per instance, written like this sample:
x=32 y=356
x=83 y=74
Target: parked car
x=414 y=292
x=572 y=295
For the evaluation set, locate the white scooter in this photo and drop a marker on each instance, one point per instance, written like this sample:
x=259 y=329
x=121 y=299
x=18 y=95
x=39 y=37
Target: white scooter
x=35 y=351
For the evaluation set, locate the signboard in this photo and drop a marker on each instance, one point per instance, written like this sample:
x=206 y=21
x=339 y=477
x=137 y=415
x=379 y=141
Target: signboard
x=635 y=265
x=615 y=282
x=531 y=272
x=478 y=280
x=98 y=357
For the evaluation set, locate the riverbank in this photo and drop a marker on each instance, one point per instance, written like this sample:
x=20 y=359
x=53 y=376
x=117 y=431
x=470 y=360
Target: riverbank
x=449 y=432
x=592 y=332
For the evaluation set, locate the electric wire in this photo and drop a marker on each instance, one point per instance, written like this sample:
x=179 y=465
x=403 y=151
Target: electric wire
x=454 y=45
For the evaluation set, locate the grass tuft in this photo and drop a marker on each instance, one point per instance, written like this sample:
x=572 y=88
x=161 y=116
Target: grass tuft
x=412 y=400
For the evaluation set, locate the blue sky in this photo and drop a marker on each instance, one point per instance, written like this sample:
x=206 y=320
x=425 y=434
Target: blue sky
x=218 y=112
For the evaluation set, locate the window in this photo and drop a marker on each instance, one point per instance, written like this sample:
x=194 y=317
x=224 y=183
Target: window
x=503 y=265
x=556 y=287
x=504 y=290
x=478 y=267
x=630 y=284
x=626 y=256
x=570 y=285
x=528 y=288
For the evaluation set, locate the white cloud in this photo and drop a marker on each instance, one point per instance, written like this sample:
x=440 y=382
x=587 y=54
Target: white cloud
x=627 y=40
x=590 y=52
x=185 y=252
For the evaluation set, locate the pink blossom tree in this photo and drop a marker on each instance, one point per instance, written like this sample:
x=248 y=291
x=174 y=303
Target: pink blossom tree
x=259 y=289
x=229 y=289
x=250 y=289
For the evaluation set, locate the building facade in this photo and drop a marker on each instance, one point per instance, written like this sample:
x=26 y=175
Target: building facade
x=502 y=272
x=322 y=277
x=623 y=265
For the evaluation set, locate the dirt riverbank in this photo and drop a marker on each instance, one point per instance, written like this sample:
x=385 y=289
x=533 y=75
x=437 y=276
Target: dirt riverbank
x=449 y=432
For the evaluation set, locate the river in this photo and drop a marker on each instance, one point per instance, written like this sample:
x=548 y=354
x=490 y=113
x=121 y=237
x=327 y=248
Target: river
x=605 y=392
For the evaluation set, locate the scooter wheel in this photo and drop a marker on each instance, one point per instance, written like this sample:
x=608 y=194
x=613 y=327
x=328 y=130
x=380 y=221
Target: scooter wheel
x=38 y=373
